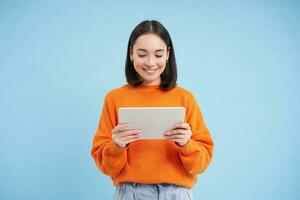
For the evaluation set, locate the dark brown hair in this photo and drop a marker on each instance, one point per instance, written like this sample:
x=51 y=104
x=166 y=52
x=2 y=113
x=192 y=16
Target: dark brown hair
x=169 y=75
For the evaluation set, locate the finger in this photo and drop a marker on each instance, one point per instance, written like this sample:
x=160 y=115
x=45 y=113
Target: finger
x=125 y=142
x=183 y=126
x=176 y=136
x=130 y=132
x=121 y=127
x=176 y=131
x=128 y=138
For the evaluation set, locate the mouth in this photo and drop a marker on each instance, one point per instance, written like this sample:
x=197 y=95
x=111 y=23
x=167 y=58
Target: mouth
x=150 y=71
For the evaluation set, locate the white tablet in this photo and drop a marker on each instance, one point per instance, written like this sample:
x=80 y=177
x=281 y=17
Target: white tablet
x=153 y=121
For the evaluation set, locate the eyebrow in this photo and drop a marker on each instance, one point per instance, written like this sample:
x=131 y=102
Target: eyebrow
x=155 y=50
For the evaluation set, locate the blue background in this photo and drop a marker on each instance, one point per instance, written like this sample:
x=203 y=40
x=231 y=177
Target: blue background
x=59 y=58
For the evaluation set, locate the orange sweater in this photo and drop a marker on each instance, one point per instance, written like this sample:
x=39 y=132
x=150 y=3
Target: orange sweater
x=152 y=161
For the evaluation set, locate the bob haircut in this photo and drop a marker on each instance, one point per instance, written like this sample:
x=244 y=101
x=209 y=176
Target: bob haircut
x=169 y=75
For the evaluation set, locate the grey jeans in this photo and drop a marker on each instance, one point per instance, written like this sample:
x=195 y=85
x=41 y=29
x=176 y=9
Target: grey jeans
x=136 y=191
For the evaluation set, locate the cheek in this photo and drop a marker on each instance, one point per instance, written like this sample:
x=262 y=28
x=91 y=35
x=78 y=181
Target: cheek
x=139 y=62
x=161 y=63
x=138 y=65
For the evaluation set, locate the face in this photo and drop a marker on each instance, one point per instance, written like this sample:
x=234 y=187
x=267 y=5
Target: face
x=149 y=55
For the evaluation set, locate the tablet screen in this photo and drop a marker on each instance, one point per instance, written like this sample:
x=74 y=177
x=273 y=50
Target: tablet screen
x=153 y=121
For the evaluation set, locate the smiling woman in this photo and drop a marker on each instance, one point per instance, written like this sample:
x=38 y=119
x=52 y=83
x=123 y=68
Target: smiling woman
x=149 y=56
x=152 y=169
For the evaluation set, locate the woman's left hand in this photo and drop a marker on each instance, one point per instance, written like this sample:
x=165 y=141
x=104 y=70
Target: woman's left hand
x=180 y=135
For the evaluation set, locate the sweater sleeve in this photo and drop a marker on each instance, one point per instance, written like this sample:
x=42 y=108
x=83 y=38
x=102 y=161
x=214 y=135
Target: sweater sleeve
x=109 y=157
x=197 y=154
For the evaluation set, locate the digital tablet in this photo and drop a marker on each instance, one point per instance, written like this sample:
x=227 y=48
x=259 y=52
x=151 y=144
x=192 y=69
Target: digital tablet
x=153 y=121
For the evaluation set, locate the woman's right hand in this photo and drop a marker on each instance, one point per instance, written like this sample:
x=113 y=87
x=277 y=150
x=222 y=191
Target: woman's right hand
x=123 y=137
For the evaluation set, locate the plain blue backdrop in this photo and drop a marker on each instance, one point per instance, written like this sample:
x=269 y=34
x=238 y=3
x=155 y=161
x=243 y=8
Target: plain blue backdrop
x=59 y=58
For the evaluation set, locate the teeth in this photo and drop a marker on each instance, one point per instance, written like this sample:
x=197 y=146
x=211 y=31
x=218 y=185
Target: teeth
x=152 y=70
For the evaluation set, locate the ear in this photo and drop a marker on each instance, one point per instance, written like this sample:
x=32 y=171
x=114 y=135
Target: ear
x=131 y=53
x=168 y=52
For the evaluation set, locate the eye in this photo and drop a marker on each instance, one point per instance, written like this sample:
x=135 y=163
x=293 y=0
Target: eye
x=141 y=56
x=158 y=56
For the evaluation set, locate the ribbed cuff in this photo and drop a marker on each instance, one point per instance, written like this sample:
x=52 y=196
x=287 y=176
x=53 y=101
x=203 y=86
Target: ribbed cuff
x=116 y=148
x=188 y=147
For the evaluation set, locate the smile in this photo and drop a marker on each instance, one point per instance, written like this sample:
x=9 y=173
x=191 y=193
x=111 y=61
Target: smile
x=150 y=70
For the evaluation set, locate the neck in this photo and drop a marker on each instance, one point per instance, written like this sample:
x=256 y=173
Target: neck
x=151 y=83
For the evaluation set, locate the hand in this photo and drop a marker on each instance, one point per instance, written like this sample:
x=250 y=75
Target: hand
x=180 y=135
x=123 y=137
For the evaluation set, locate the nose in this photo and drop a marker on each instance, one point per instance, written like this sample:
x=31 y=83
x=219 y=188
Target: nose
x=150 y=62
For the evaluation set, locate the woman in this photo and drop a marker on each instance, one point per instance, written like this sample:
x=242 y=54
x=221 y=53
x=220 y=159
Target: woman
x=151 y=169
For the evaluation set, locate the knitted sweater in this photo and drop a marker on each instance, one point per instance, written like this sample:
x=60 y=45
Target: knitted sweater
x=152 y=161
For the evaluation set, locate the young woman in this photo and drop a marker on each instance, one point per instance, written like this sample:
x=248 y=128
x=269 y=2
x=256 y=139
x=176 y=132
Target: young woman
x=151 y=169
